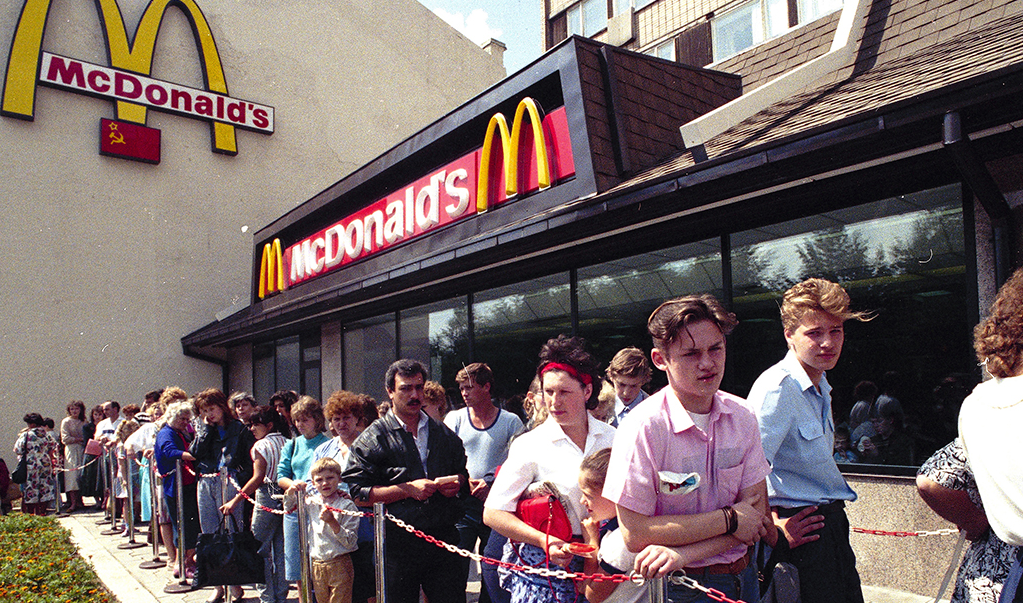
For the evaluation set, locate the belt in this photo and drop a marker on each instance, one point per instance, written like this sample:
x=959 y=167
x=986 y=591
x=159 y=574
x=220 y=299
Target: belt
x=720 y=568
x=823 y=508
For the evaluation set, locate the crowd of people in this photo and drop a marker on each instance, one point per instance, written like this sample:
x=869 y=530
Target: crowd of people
x=589 y=472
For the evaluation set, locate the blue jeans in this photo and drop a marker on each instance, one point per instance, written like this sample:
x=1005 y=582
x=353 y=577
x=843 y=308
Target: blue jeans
x=268 y=528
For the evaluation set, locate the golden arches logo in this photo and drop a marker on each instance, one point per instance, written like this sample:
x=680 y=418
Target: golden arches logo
x=510 y=142
x=271 y=269
x=20 y=85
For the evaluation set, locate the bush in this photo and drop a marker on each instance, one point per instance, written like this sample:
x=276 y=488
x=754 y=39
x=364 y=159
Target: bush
x=38 y=563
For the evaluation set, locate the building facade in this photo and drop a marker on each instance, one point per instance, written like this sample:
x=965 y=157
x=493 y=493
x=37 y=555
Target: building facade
x=685 y=147
x=117 y=257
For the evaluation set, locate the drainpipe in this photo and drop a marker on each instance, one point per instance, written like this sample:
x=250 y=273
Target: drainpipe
x=843 y=49
x=984 y=187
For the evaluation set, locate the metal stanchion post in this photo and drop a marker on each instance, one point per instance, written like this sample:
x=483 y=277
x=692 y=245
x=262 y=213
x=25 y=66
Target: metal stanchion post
x=223 y=500
x=183 y=585
x=102 y=469
x=305 y=582
x=658 y=590
x=128 y=470
x=379 y=545
x=56 y=491
x=154 y=519
x=111 y=499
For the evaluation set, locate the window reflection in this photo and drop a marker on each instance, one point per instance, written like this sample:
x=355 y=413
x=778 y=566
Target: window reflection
x=368 y=350
x=513 y=322
x=438 y=335
x=904 y=258
x=617 y=297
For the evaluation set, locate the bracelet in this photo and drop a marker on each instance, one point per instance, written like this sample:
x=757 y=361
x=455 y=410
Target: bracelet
x=731 y=520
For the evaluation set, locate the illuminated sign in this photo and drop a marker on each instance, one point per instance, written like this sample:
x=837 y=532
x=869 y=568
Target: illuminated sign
x=271 y=269
x=126 y=81
x=464 y=187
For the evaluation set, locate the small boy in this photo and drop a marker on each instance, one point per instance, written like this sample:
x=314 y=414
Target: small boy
x=843 y=450
x=332 y=537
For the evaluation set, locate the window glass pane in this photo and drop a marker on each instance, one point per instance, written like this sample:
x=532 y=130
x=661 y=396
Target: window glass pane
x=811 y=10
x=622 y=6
x=905 y=259
x=438 y=336
x=311 y=385
x=665 y=50
x=263 y=380
x=641 y=3
x=287 y=365
x=734 y=32
x=594 y=16
x=368 y=351
x=575 y=21
x=617 y=297
x=513 y=322
x=777 y=17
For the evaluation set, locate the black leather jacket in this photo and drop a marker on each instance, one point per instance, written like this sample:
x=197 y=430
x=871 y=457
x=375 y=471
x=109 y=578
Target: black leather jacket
x=235 y=448
x=385 y=454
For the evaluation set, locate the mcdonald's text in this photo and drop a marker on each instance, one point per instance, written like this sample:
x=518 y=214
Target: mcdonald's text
x=444 y=196
x=96 y=80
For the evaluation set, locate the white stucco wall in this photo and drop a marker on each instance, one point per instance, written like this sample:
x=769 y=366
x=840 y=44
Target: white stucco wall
x=112 y=261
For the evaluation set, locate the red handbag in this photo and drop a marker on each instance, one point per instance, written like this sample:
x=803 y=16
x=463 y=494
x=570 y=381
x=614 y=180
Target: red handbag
x=545 y=513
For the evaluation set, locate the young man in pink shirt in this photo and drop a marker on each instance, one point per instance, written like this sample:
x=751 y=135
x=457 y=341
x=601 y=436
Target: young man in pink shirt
x=687 y=467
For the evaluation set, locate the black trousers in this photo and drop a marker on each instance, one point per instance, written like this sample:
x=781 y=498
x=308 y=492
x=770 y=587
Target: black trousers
x=411 y=563
x=827 y=566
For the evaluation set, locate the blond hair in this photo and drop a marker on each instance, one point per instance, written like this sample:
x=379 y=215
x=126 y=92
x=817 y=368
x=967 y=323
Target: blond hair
x=817 y=294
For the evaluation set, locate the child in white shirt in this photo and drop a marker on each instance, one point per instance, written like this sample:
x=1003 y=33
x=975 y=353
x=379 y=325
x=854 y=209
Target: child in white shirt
x=332 y=536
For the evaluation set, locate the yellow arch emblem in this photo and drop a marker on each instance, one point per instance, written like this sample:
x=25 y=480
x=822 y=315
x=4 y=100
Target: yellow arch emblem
x=527 y=107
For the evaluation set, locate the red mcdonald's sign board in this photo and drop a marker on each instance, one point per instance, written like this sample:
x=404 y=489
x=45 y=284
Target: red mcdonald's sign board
x=534 y=154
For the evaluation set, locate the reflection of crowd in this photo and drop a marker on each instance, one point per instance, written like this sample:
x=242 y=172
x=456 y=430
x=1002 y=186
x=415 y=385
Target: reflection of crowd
x=595 y=474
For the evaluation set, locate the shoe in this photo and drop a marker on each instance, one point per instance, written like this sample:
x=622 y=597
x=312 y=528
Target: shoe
x=237 y=594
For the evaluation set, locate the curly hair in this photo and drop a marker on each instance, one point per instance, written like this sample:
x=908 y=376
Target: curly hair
x=343 y=402
x=817 y=294
x=571 y=351
x=998 y=339
x=172 y=394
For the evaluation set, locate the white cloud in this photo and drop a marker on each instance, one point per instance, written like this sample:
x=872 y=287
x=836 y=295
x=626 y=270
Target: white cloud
x=474 y=26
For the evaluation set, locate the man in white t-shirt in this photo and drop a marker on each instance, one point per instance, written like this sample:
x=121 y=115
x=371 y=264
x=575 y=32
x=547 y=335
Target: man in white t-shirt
x=485 y=431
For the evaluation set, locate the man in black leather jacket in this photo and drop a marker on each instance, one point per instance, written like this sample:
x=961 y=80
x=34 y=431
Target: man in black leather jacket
x=416 y=466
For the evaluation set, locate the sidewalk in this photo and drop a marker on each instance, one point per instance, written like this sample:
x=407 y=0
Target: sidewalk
x=120 y=573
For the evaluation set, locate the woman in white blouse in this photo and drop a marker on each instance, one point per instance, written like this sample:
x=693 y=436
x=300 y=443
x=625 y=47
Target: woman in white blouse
x=552 y=452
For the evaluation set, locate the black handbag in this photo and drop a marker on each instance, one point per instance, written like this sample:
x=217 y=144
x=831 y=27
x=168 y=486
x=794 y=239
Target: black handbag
x=227 y=558
x=20 y=473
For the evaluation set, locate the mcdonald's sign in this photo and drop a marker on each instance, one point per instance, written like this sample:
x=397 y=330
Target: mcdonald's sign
x=271 y=269
x=531 y=159
x=126 y=81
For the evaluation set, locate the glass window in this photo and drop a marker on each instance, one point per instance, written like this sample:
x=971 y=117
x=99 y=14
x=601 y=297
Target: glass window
x=811 y=10
x=511 y=323
x=438 y=335
x=621 y=6
x=263 y=380
x=287 y=365
x=665 y=50
x=617 y=297
x=311 y=384
x=587 y=17
x=747 y=26
x=904 y=258
x=368 y=350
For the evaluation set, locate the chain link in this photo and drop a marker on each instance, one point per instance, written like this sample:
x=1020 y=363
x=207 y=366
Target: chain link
x=903 y=534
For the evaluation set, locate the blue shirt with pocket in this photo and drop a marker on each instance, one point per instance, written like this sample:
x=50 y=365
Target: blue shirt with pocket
x=798 y=434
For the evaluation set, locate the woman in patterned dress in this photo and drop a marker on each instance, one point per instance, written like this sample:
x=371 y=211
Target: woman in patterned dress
x=946 y=484
x=39 y=449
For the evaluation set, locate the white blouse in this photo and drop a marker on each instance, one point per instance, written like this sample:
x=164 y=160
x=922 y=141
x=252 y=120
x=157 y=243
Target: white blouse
x=547 y=454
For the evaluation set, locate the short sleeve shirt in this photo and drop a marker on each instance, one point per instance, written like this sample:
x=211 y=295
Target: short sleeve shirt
x=660 y=436
x=798 y=435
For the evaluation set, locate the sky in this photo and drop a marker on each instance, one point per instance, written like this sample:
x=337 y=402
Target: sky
x=516 y=23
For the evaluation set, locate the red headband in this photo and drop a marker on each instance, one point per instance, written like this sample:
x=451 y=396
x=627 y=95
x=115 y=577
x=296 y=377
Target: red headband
x=571 y=370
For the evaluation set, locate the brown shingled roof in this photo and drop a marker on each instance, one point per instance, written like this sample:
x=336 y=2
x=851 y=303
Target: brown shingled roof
x=956 y=62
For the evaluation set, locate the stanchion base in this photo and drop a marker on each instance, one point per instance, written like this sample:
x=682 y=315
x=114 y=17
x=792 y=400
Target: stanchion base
x=131 y=545
x=177 y=587
x=103 y=521
x=153 y=564
x=111 y=532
